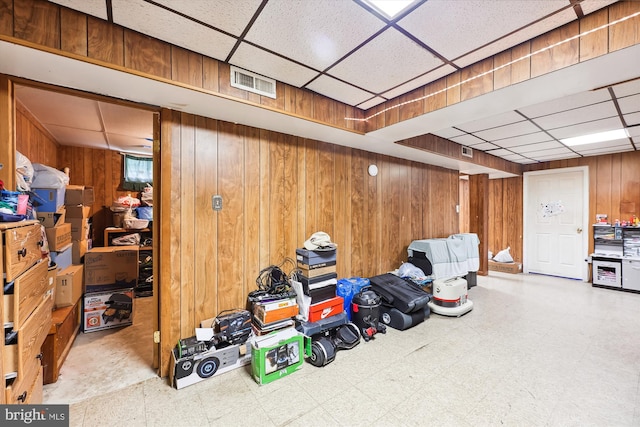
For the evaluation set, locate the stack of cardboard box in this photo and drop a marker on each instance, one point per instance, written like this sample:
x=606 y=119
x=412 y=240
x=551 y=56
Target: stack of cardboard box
x=78 y=202
x=319 y=279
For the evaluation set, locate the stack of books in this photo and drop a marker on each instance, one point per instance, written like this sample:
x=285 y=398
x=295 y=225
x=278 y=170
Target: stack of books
x=273 y=313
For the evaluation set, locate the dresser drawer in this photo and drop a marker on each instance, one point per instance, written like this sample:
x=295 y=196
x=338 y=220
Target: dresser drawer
x=24 y=355
x=21 y=249
x=29 y=291
x=28 y=391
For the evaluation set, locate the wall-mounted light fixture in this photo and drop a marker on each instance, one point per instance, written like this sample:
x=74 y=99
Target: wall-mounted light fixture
x=373 y=170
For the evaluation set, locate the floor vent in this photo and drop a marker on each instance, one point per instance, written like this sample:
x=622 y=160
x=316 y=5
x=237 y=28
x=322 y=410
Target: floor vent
x=467 y=151
x=252 y=82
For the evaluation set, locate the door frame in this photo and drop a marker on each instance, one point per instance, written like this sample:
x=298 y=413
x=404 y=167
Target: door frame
x=526 y=225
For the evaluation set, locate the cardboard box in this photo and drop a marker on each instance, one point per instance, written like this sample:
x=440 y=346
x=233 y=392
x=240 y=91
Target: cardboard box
x=58 y=237
x=112 y=267
x=69 y=286
x=78 y=195
x=106 y=310
x=275 y=311
x=325 y=309
x=505 y=267
x=51 y=219
x=276 y=355
x=48 y=199
x=79 y=248
x=63 y=258
x=78 y=211
x=79 y=228
x=312 y=258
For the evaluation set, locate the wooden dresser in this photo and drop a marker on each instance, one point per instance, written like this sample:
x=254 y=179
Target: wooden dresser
x=26 y=311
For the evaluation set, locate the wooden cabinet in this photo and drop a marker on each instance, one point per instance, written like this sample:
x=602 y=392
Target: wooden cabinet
x=26 y=311
x=65 y=324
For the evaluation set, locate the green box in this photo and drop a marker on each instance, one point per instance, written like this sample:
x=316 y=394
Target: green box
x=277 y=355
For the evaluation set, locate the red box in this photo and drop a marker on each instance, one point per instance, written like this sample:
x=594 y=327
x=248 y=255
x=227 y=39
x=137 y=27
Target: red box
x=325 y=309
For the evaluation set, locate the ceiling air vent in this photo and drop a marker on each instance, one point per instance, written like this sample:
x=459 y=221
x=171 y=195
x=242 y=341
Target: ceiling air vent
x=252 y=82
x=467 y=151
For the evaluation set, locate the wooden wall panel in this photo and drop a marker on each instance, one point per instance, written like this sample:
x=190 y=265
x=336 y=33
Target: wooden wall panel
x=73 y=27
x=7 y=133
x=477 y=86
x=561 y=56
x=521 y=69
x=597 y=43
x=37 y=22
x=186 y=66
x=6 y=17
x=626 y=33
x=412 y=109
x=146 y=54
x=105 y=42
x=188 y=225
x=33 y=140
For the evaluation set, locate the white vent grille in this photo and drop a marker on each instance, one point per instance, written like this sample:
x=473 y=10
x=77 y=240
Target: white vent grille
x=252 y=82
x=467 y=151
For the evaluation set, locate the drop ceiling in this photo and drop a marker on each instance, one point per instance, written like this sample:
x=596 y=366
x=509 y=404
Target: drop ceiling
x=345 y=50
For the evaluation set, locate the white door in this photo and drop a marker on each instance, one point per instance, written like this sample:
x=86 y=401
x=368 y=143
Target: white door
x=555 y=223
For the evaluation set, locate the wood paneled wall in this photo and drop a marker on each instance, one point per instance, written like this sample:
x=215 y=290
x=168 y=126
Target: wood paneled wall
x=505 y=216
x=33 y=140
x=581 y=49
x=277 y=190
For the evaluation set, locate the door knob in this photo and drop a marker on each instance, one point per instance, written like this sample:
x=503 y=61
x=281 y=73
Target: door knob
x=579 y=230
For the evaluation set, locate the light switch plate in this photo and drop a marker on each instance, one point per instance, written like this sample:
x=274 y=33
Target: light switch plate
x=217 y=203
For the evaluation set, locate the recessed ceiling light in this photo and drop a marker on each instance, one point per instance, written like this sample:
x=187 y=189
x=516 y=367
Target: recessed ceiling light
x=390 y=8
x=596 y=137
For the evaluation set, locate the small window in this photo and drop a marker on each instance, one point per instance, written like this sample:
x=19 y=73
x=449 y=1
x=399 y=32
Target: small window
x=138 y=172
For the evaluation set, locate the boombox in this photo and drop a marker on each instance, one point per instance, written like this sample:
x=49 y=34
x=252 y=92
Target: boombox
x=193 y=367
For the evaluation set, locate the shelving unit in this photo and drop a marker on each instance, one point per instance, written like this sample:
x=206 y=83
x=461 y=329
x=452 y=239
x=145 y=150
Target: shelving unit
x=111 y=233
x=616 y=257
x=144 y=287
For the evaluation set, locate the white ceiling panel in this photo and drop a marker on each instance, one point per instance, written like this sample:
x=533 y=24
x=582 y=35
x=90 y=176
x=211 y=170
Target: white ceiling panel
x=501 y=152
x=559 y=156
x=420 y=81
x=155 y=22
x=599 y=111
x=531 y=138
x=59 y=109
x=531 y=148
x=634 y=131
x=566 y=103
x=93 y=8
x=317 y=33
x=231 y=16
x=513 y=157
x=589 y=6
x=521 y=36
x=632 y=119
x=467 y=139
x=586 y=128
x=607 y=150
x=629 y=104
x=259 y=61
x=628 y=88
x=485 y=146
x=476 y=22
x=449 y=132
x=129 y=144
x=79 y=137
x=338 y=90
x=371 y=103
x=375 y=66
x=123 y=120
x=616 y=144
x=508 y=131
x=491 y=122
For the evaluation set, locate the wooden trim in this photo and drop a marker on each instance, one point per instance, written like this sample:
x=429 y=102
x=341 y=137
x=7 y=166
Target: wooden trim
x=7 y=133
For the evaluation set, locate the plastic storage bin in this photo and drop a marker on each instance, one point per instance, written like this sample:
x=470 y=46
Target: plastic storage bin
x=347 y=288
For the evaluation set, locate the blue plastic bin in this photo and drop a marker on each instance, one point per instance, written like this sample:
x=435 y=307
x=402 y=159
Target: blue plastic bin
x=347 y=288
x=145 y=212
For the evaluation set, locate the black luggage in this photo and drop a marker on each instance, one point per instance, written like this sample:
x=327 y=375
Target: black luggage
x=397 y=292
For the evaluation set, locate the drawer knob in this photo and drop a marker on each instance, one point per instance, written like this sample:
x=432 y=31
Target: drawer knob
x=22 y=397
x=39 y=356
x=41 y=243
x=22 y=252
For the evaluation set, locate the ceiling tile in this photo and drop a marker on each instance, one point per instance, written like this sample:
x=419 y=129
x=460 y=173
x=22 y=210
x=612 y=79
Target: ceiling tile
x=560 y=156
x=607 y=150
x=93 y=8
x=154 y=21
x=376 y=66
x=526 y=161
x=318 y=32
x=508 y=131
x=531 y=138
x=632 y=119
x=513 y=157
x=501 y=152
x=122 y=120
x=634 y=131
x=589 y=6
x=491 y=122
x=78 y=137
x=530 y=148
x=617 y=144
x=485 y=146
x=371 y=103
x=629 y=104
x=338 y=90
x=476 y=22
x=448 y=133
x=129 y=144
x=467 y=139
x=590 y=113
x=231 y=16
x=62 y=110
x=420 y=81
x=259 y=61
x=628 y=88
x=515 y=39
x=587 y=128
x=566 y=103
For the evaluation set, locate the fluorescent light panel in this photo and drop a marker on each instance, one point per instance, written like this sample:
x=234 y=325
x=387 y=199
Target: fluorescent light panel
x=390 y=8
x=596 y=137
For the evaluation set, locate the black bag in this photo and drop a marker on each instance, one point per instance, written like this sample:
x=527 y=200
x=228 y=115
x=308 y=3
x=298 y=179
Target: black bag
x=420 y=260
x=397 y=292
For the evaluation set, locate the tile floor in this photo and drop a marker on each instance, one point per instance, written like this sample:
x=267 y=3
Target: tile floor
x=535 y=351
